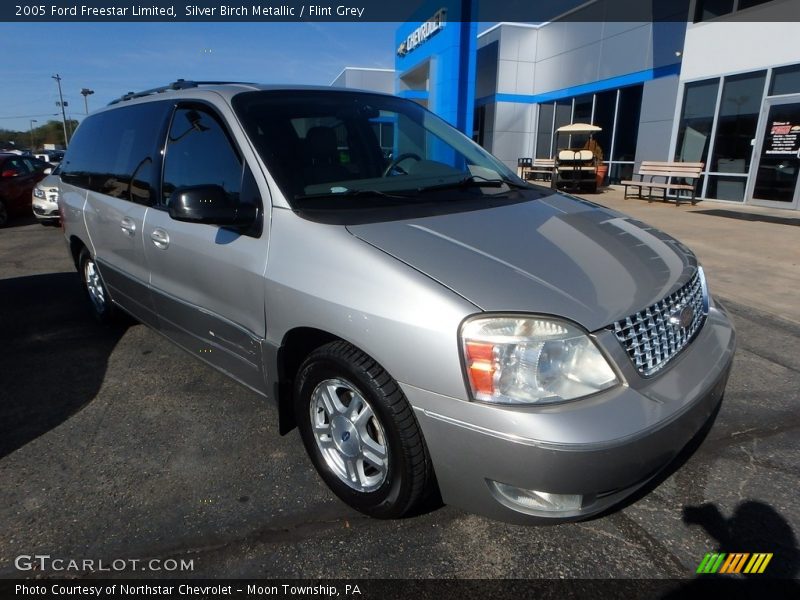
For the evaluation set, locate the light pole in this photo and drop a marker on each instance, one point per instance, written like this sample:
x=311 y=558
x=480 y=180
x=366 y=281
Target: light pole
x=57 y=77
x=85 y=92
x=33 y=144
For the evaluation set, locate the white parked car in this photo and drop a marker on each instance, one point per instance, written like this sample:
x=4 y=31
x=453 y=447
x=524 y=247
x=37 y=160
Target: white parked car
x=45 y=199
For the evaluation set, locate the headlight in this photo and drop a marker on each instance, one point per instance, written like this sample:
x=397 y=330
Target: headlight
x=38 y=192
x=531 y=360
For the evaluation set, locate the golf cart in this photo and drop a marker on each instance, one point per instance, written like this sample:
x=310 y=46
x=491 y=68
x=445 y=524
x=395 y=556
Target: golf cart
x=577 y=158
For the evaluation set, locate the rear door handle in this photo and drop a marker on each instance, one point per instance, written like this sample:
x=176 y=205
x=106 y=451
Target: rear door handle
x=128 y=226
x=160 y=238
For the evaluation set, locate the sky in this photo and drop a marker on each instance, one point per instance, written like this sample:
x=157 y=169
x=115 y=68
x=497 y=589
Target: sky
x=115 y=58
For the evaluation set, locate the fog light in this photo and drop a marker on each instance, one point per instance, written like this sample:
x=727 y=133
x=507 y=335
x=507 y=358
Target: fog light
x=533 y=501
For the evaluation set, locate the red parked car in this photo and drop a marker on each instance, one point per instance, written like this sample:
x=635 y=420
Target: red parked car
x=18 y=176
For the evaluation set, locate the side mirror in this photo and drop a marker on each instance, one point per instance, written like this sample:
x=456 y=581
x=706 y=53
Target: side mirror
x=48 y=170
x=210 y=204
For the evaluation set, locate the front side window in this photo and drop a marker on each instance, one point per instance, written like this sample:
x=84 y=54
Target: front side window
x=328 y=145
x=200 y=152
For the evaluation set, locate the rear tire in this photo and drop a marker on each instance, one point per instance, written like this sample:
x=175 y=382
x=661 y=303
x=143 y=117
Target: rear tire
x=99 y=301
x=3 y=214
x=361 y=433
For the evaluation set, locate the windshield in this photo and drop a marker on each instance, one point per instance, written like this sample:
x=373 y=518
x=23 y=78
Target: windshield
x=332 y=145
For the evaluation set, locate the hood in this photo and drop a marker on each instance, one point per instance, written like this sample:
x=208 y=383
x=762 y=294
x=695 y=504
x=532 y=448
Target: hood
x=557 y=255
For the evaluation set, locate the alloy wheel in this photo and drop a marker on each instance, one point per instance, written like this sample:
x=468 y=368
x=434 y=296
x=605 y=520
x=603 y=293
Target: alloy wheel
x=349 y=435
x=94 y=285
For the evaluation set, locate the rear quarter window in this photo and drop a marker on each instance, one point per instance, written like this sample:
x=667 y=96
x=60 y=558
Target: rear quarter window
x=115 y=152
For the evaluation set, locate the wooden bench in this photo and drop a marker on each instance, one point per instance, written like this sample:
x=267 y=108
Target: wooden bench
x=687 y=175
x=539 y=168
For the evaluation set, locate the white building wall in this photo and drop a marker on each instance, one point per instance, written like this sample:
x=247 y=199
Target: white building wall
x=375 y=80
x=717 y=48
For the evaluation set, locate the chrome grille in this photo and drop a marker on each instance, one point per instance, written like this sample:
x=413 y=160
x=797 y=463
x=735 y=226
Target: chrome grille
x=653 y=336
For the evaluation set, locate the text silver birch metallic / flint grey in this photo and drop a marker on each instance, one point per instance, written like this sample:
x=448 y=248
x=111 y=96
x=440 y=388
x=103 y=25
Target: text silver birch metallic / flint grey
x=432 y=324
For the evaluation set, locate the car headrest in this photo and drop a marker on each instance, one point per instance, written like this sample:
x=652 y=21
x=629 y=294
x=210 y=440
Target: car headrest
x=321 y=143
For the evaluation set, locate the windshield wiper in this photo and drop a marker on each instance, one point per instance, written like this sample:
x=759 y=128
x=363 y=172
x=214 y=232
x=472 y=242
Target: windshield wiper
x=351 y=194
x=474 y=181
x=470 y=181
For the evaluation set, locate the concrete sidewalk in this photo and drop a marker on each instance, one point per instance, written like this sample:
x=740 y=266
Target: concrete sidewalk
x=751 y=254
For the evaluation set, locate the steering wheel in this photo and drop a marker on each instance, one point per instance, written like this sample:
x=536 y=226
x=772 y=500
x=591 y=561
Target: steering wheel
x=398 y=160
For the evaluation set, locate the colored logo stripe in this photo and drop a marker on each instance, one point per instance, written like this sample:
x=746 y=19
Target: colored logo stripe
x=734 y=563
x=758 y=563
x=711 y=563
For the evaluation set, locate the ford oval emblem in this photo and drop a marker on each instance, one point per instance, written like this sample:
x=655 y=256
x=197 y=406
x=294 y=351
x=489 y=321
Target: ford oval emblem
x=682 y=318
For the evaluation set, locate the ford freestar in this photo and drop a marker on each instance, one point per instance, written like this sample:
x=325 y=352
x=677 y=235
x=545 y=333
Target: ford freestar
x=425 y=318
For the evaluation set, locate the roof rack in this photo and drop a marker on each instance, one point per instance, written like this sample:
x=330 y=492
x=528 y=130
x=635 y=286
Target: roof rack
x=180 y=84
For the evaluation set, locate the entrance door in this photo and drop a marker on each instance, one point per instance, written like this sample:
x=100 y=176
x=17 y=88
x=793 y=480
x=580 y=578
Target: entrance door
x=775 y=182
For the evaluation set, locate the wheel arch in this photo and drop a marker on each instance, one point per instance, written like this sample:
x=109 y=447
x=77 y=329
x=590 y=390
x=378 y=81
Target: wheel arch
x=296 y=345
x=75 y=247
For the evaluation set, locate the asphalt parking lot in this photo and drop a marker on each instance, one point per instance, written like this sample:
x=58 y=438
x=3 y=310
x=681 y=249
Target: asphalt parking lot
x=116 y=444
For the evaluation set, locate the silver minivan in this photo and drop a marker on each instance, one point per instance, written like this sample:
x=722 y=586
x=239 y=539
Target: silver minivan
x=429 y=322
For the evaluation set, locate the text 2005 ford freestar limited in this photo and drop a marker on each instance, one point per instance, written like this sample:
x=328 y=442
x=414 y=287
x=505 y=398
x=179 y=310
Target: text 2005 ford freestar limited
x=426 y=319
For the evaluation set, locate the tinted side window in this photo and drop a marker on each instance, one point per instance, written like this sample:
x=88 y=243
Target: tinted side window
x=77 y=164
x=17 y=165
x=200 y=152
x=34 y=164
x=113 y=152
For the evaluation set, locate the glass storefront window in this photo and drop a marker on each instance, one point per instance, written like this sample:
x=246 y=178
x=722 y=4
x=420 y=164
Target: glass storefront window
x=737 y=121
x=544 y=131
x=620 y=172
x=697 y=118
x=750 y=3
x=604 y=117
x=710 y=9
x=599 y=109
x=479 y=125
x=563 y=117
x=630 y=106
x=725 y=188
x=785 y=80
x=583 y=109
x=779 y=163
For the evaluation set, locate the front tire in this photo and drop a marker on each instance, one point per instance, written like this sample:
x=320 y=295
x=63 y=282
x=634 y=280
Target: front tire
x=361 y=433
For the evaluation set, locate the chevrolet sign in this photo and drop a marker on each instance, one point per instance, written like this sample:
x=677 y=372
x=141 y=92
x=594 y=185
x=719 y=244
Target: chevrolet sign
x=423 y=33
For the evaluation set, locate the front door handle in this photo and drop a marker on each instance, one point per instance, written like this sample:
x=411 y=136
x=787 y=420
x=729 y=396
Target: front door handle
x=128 y=226
x=160 y=238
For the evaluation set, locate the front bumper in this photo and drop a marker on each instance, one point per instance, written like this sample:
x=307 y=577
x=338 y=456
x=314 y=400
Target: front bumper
x=603 y=448
x=44 y=209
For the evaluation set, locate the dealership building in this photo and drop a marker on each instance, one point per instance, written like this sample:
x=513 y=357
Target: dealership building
x=719 y=84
